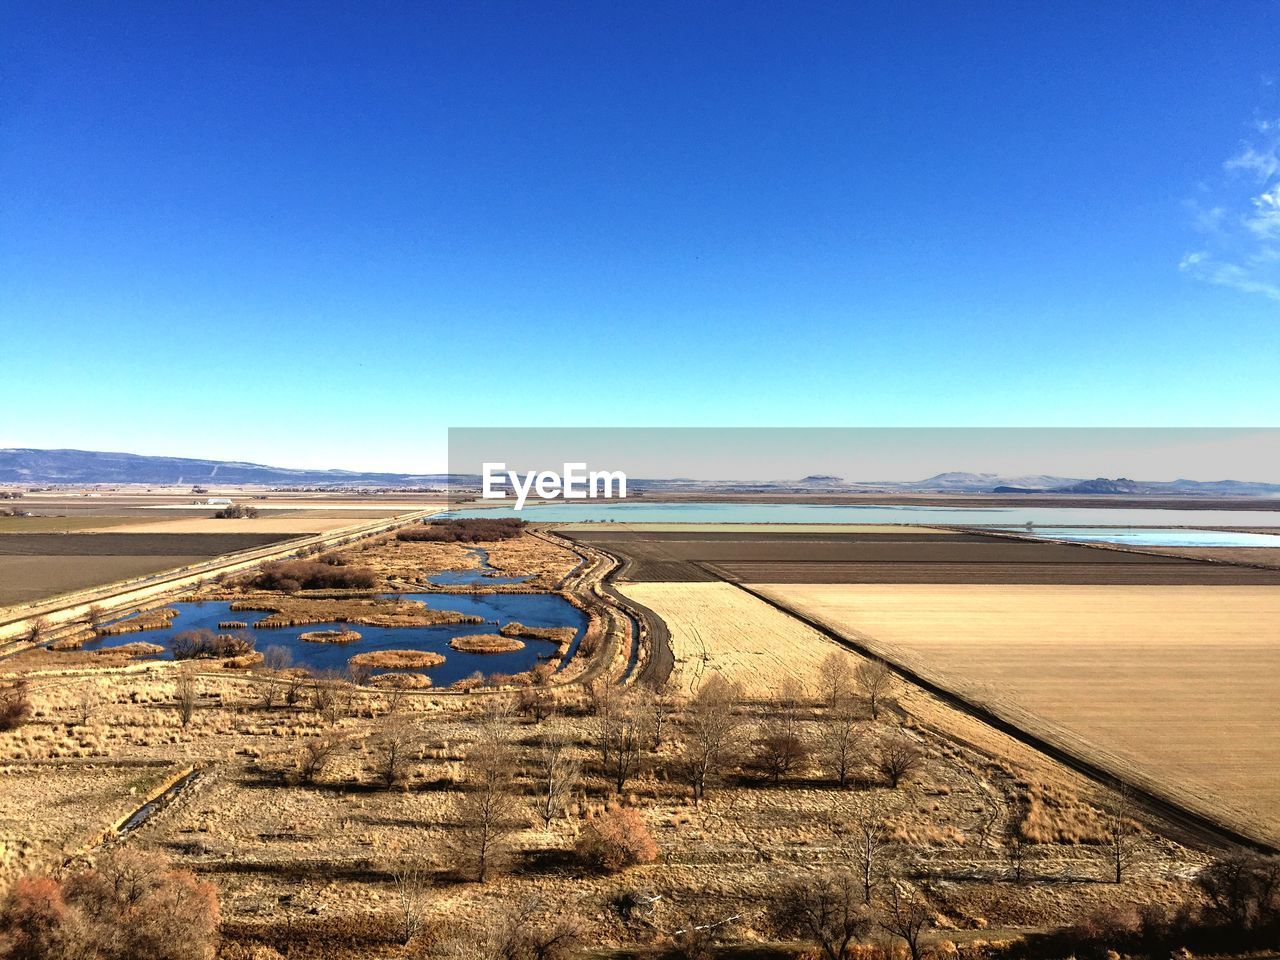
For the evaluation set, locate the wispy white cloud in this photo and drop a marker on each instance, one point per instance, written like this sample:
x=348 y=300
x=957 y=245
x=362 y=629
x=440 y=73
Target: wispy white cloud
x=1241 y=228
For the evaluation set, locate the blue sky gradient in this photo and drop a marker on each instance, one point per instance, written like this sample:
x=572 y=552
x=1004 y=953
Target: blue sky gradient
x=319 y=234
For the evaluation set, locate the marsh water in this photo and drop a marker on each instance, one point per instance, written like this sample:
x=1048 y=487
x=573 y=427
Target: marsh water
x=486 y=575
x=634 y=511
x=497 y=610
x=1154 y=537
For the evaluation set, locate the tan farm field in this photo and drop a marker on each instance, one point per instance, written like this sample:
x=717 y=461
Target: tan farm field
x=1172 y=685
x=718 y=629
x=306 y=523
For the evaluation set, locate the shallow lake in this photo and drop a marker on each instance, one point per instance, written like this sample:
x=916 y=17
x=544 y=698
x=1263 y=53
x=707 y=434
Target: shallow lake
x=632 y=511
x=1147 y=537
x=498 y=609
x=485 y=576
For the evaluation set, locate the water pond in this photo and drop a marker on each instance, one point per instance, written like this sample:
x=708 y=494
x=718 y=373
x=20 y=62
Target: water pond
x=635 y=511
x=1149 y=537
x=497 y=609
x=486 y=575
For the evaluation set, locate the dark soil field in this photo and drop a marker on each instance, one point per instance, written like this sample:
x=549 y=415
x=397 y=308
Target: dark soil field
x=131 y=544
x=26 y=578
x=888 y=558
x=37 y=565
x=1082 y=573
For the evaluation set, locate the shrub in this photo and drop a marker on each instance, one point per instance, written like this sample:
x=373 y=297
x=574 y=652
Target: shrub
x=237 y=511
x=15 y=705
x=620 y=838
x=898 y=758
x=131 y=907
x=482 y=530
x=294 y=575
x=204 y=644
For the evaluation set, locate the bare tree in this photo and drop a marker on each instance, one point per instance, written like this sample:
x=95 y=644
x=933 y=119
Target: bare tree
x=268 y=694
x=830 y=911
x=295 y=683
x=38 y=629
x=411 y=883
x=1243 y=890
x=839 y=738
x=620 y=731
x=394 y=698
x=313 y=757
x=662 y=708
x=835 y=678
x=898 y=757
x=905 y=914
x=874 y=680
x=866 y=840
x=395 y=750
x=358 y=674
x=185 y=697
x=558 y=774
x=1121 y=831
x=95 y=616
x=86 y=704
x=536 y=700
x=326 y=697
x=516 y=933
x=778 y=747
x=276 y=658
x=488 y=812
x=15 y=704
x=1016 y=852
x=707 y=734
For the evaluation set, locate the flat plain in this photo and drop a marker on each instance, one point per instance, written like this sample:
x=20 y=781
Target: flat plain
x=857 y=556
x=39 y=565
x=1173 y=684
x=717 y=628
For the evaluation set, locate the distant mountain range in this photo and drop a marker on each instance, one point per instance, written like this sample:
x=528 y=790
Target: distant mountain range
x=25 y=467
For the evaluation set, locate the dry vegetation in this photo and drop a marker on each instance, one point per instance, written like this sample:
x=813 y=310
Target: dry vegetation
x=350 y=823
x=1175 y=684
x=717 y=629
x=397 y=659
x=409 y=565
x=779 y=791
x=329 y=636
x=486 y=643
x=300 y=611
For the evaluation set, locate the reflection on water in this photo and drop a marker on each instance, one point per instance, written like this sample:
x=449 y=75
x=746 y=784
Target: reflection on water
x=632 y=511
x=486 y=575
x=497 y=610
x=1154 y=537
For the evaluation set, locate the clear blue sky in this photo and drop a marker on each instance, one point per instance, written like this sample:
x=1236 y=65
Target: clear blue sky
x=318 y=234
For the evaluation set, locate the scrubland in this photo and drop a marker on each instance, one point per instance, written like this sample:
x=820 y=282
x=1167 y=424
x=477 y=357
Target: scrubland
x=299 y=848
x=775 y=776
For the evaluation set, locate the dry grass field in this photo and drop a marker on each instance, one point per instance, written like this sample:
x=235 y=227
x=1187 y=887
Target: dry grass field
x=1174 y=683
x=294 y=860
x=283 y=523
x=56 y=524
x=322 y=805
x=717 y=629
